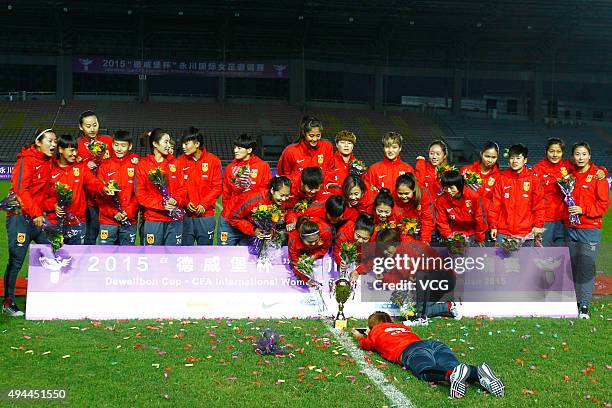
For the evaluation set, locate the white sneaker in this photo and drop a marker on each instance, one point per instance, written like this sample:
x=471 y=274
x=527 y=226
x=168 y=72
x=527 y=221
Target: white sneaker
x=457 y=381
x=489 y=381
x=12 y=310
x=421 y=321
x=455 y=311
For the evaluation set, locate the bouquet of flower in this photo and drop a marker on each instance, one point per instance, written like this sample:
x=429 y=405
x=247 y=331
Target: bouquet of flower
x=409 y=226
x=443 y=168
x=567 y=184
x=301 y=206
x=305 y=265
x=97 y=150
x=381 y=226
x=404 y=300
x=473 y=180
x=268 y=343
x=349 y=254
x=114 y=186
x=242 y=178
x=266 y=217
x=509 y=245
x=11 y=203
x=456 y=244
x=160 y=180
x=357 y=167
x=64 y=200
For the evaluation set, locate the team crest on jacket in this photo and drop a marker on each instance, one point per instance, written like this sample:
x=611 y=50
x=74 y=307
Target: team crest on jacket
x=103 y=234
x=79 y=159
x=491 y=181
x=526 y=185
x=134 y=160
x=204 y=167
x=224 y=236
x=320 y=159
x=468 y=203
x=589 y=178
x=253 y=173
x=150 y=239
x=21 y=237
x=106 y=155
x=76 y=172
x=130 y=172
x=172 y=167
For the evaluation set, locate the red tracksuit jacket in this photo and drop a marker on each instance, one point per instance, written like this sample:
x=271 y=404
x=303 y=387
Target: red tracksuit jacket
x=427 y=176
x=389 y=340
x=518 y=204
x=81 y=181
x=384 y=173
x=593 y=196
x=297 y=194
x=240 y=215
x=364 y=205
x=393 y=220
x=201 y=180
x=149 y=196
x=30 y=180
x=554 y=206
x=296 y=247
x=296 y=157
x=123 y=171
x=488 y=183
x=465 y=215
x=259 y=176
x=340 y=170
x=346 y=233
x=424 y=213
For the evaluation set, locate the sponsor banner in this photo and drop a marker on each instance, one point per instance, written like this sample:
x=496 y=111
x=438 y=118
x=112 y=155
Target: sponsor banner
x=112 y=282
x=129 y=66
x=6 y=171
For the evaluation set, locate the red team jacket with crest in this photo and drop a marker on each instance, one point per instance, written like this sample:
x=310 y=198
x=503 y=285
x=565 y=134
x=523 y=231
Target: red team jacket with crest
x=518 y=203
x=30 y=180
x=424 y=213
x=592 y=196
x=241 y=216
x=555 y=208
x=488 y=183
x=427 y=177
x=259 y=176
x=149 y=196
x=123 y=171
x=202 y=180
x=296 y=157
x=389 y=340
x=465 y=215
x=296 y=247
x=80 y=180
x=384 y=173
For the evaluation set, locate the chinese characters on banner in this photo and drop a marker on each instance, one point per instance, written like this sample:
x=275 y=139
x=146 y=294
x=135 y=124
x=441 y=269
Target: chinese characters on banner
x=6 y=172
x=127 y=66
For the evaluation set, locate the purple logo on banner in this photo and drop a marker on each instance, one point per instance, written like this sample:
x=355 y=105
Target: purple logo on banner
x=6 y=171
x=106 y=65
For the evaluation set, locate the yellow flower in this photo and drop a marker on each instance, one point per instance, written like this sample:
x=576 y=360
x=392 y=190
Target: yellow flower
x=263 y=207
x=275 y=218
x=563 y=171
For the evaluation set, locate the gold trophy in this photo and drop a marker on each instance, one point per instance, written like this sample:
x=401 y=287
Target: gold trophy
x=344 y=287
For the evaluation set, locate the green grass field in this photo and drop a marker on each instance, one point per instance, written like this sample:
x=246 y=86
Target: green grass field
x=544 y=362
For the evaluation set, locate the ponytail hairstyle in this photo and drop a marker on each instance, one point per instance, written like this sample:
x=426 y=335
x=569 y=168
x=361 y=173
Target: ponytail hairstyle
x=192 y=133
x=384 y=197
x=38 y=136
x=307 y=124
x=278 y=182
x=306 y=227
x=442 y=145
x=85 y=114
x=365 y=222
x=155 y=136
x=351 y=182
x=409 y=180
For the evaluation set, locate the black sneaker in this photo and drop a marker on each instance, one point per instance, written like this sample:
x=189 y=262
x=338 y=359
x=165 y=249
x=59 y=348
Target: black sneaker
x=12 y=310
x=457 y=381
x=489 y=381
x=583 y=312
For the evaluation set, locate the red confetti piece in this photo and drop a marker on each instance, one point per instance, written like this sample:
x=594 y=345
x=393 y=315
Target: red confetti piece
x=153 y=327
x=528 y=392
x=96 y=324
x=193 y=360
x=566 y=378
x=521 y=362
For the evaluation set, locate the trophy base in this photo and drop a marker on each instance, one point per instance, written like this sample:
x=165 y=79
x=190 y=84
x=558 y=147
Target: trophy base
x=341 y=324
